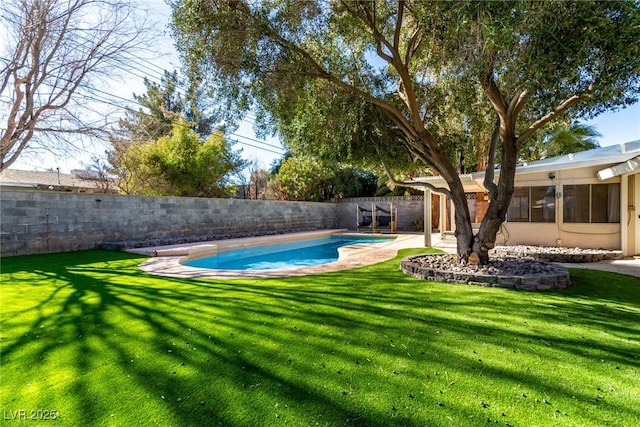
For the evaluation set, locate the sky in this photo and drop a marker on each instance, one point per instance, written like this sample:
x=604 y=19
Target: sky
x=616 y=127
x=118 y=93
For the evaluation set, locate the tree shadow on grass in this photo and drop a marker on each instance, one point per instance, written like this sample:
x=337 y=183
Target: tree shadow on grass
x=362 y=347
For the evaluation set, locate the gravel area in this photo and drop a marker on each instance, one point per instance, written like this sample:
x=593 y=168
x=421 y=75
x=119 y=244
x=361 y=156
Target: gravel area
x=498 y=266
x=556 y=254
x=121 y=245
x=532 y=268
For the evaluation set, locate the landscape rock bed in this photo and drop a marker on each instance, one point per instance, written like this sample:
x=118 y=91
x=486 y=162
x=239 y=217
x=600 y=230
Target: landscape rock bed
x=177 y=240
x=503 y=272
x=556 y=254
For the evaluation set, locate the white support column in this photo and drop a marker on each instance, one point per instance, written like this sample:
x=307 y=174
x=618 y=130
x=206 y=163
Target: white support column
x=443 y=215
x=624 y=215
x=427 y=218
x=452 y=214
x=636 y=214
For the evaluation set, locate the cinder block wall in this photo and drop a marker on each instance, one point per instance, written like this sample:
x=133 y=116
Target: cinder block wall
x=409 y=208
x=42 y=222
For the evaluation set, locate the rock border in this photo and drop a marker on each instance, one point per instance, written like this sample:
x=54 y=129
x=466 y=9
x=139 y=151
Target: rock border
x=559 y=279
x=122 y=245
x=557 y=254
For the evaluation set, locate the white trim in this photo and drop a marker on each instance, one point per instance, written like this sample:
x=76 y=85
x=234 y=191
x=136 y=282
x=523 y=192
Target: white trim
x=627 y=167
x=636 y=214
x=625 y=212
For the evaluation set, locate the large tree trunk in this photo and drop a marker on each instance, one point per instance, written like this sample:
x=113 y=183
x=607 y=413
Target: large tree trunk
x=462 y=218
x=501 y=197
x=464 y=231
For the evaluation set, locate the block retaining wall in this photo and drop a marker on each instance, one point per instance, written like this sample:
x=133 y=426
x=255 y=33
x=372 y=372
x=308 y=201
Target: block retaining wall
x=43 y=222
x=559 y=279
x=35 y=222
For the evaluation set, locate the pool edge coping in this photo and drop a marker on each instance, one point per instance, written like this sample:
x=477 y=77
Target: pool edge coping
x=183 y=249
x=355 y=256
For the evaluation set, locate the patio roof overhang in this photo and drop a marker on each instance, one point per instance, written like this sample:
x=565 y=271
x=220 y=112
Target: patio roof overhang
x=472 y=182
x=631 y=165
x=618 y=159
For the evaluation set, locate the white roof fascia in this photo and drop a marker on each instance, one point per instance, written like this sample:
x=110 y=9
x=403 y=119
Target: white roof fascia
x=596 y=157
x=623 y=168
x=550 y=167
x=612 y=156
x=472 y=180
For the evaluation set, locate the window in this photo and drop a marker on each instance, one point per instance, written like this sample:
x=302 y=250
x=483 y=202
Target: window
x=591 y=203
x=519 y=206
x=533 y=204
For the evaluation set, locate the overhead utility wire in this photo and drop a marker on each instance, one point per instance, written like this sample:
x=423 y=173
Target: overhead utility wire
x=103 y=100
x=157 y=76
x=106 y=101
x=142 y=105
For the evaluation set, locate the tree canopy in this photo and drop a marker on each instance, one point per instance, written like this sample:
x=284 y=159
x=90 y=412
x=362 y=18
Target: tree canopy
x=561 y=138
x=161 y=106
x=304 y=178
x=54 y=56
x=181 y=163
x=167 y=146
x=417 y=80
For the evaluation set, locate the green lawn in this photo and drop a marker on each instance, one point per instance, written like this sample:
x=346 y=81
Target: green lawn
x=90 y=336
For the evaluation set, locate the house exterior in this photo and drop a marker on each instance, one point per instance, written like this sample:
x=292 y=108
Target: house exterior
x=589 y=199
x=78 y=181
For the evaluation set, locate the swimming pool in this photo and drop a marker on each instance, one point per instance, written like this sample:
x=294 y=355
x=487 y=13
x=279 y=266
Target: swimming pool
x=302 y=253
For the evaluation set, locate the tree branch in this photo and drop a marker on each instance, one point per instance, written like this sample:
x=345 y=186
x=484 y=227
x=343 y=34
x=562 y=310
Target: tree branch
x=413 y=45
x=517 y=104
x=395 y=114
x=493 y=92
x=491 y=162
x=564 y=105
x=370 y=21
x=414 y=185
x=398 y=29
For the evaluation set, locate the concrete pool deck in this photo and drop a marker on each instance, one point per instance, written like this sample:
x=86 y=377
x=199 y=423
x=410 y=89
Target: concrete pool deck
x=166 y=261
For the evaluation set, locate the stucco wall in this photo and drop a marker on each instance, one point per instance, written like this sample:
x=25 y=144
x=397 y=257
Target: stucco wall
x=42 y=222
x=559 y=233
x=592 y=236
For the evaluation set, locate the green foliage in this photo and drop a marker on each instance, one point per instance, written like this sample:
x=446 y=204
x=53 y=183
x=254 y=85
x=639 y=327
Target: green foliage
x=160 y=106
x=89 y=335
x=425 y=82
x=304 y=178
x=349 y=182
x=559 y=139
x=262 y=52
x=183 y=164
x=571 y=48
x=159 y=150
x=418 y=223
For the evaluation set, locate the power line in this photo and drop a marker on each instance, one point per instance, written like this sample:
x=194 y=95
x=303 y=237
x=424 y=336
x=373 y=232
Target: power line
x=155 y=75
x=106 y=101
x=109 y=100
x=174 y=122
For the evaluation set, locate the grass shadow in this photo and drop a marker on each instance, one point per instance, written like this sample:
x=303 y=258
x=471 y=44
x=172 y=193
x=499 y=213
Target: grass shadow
x=105 y=342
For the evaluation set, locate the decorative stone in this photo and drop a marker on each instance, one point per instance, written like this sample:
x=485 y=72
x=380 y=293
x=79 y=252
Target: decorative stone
x=557 y=254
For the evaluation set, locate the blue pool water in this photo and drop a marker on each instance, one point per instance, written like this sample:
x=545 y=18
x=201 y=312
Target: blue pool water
x=297 y=254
